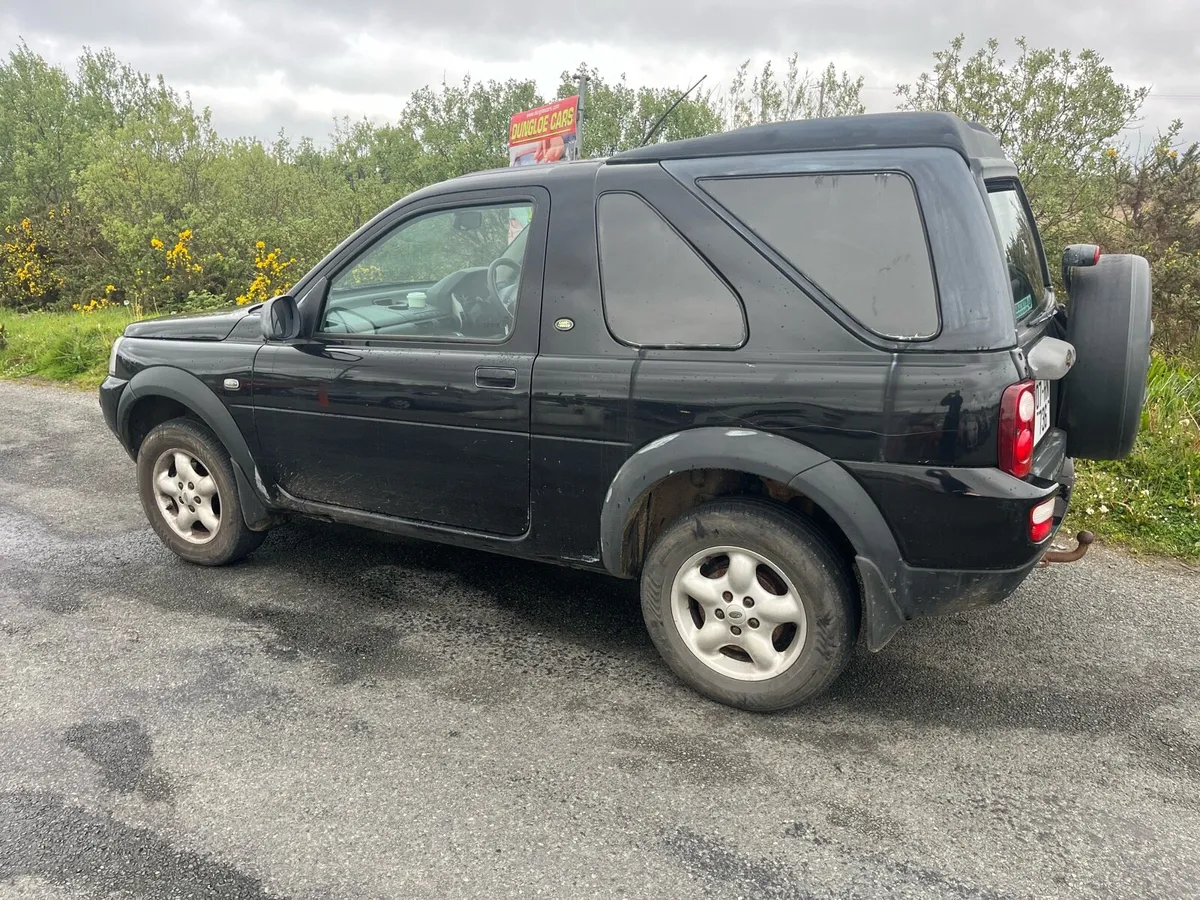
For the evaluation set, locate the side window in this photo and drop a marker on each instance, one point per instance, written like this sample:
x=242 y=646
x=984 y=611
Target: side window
x=454 y=273
x=657 y=291
x=1019 y=242
x=858 y=237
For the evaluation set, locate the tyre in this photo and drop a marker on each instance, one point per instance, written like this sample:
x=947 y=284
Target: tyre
x=1108 y=322
x=189 y=494
x=749 y=604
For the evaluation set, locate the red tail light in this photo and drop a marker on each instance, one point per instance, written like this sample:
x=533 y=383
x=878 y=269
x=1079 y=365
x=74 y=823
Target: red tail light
x=1041 y=521
x=1018 y=407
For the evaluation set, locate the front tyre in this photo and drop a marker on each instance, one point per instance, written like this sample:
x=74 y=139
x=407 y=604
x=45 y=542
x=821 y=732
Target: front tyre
x=749 y=604
x=189 y=494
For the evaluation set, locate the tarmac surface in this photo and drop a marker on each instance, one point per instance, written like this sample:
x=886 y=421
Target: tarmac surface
x=349 y=715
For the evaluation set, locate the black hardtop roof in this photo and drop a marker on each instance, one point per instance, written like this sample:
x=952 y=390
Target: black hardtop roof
x=866 y=132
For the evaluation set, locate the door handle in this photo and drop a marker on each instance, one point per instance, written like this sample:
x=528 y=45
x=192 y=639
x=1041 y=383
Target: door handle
x=491 y=377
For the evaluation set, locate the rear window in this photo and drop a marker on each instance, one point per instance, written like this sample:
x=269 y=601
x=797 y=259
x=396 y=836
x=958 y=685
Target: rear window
x=1018 y=240
x=657 y=291
x=858 y=237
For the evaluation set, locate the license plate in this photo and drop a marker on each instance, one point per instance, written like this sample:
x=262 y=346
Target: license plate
x=1041 y=418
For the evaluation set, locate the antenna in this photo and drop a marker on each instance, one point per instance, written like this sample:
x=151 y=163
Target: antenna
x=671 y=109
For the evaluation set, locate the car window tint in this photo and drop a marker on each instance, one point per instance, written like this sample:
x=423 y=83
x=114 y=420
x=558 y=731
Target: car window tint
x=428 y=278
x=858 y=237
x=657 y=291
x=1018 y=240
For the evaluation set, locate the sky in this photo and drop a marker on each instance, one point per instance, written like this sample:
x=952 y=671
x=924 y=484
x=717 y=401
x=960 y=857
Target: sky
x=266 y=65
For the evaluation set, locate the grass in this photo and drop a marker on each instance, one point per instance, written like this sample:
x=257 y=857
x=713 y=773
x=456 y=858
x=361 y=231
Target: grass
x=1149 y=502
x=71 y=347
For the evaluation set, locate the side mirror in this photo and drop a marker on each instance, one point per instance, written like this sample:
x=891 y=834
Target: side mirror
x=1076 y=256
x=280 y=319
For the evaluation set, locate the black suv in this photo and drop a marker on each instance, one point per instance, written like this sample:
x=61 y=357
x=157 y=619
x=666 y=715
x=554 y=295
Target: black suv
x=800 y=379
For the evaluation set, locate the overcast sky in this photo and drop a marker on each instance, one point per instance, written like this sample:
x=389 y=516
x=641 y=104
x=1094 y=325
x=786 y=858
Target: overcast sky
x=262 y=65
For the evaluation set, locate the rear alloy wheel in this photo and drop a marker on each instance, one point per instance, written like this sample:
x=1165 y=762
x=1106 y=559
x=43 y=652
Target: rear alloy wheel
x=188 y=491
x=749 y=604
x=738 y=613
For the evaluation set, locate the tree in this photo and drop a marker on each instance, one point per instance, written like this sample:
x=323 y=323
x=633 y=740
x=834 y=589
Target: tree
x=1156 y=214
x=463 y=128
x=796 y=96
x=41 y=138
x=1055 y=113
x=617 y=117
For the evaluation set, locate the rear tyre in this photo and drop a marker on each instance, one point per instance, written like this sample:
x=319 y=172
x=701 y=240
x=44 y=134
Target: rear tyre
x=189 y=494
x=750 y=605
x=1108 y=322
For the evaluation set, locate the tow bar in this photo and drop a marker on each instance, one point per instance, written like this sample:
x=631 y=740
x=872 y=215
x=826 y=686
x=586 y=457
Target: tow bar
x=1084 y=538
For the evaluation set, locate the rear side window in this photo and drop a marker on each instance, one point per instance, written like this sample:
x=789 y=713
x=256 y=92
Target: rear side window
x=658 y=292
x=1018 y=240
x=858 y=237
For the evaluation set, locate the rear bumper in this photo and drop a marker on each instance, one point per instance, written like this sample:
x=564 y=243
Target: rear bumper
x=962 y=536
x=967 y=518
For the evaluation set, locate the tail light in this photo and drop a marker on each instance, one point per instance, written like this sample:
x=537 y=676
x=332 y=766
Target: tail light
x=1018 y=407
x=1041 y=521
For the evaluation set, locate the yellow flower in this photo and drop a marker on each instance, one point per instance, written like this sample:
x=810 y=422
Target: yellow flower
x=260 y=245
x=156 y=243
x=109 y=288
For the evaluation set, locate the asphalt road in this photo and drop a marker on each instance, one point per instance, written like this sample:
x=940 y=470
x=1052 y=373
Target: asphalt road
x=348 y=715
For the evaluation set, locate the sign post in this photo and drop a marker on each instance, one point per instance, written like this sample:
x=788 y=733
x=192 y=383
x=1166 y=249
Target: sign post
x=546 y=134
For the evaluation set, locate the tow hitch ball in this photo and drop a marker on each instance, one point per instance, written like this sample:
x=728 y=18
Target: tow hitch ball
x=1084 y=538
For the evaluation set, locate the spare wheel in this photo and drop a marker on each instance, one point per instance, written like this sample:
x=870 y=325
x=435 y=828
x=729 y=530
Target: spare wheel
x=1108 y=322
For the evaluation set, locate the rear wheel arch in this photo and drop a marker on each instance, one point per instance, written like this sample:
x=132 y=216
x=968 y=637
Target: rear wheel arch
x=693 y=467
x=689 y=467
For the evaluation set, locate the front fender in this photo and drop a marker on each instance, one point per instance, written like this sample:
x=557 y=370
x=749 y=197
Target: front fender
x=187 y=389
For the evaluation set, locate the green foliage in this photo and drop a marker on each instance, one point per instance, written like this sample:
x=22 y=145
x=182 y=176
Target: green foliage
x=1060 y=117
x=1151 y=500
x=796 y=96
x=617 y=116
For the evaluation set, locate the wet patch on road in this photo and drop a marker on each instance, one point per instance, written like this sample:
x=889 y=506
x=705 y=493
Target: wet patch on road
x=727 y=870
x=123 y=752
x=44 y=837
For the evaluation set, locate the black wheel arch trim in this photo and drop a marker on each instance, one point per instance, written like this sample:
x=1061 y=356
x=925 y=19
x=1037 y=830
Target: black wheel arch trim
x=191 y=392
x=800 y=467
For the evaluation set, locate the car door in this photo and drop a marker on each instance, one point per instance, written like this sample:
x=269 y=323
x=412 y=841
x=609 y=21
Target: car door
x=412 y=396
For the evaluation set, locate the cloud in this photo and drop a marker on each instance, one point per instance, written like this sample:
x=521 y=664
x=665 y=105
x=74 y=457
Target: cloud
x=266 y=64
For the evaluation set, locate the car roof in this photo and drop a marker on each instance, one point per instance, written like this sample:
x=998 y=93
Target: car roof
x=865 y=132
x=845 y=133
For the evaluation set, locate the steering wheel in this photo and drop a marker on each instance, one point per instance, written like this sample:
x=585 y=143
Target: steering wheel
x=492 y=285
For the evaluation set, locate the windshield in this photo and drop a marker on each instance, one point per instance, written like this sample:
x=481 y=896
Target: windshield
x=1019 y=242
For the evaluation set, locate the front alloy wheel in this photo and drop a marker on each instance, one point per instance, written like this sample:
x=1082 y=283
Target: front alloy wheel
x=187 y=496
x=189 y=493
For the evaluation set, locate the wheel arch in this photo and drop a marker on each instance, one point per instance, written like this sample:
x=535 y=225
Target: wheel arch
x=159 y=393
x=737 y=461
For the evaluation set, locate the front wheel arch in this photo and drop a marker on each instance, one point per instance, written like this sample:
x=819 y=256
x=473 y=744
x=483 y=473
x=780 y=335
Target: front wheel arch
x=173 y=393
